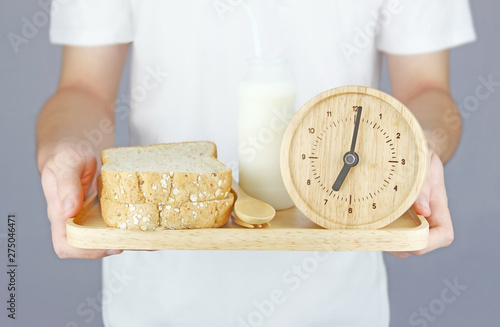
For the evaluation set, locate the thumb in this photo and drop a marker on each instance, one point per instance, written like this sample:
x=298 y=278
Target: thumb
x=70 y=190
x=421 y=205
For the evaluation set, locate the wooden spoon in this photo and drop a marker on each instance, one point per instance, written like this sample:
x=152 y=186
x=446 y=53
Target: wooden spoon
x=250 y=210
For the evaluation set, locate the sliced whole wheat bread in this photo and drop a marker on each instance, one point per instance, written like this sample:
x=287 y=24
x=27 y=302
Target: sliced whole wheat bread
x=173 y=172
x=172 y=186
x=149 y=216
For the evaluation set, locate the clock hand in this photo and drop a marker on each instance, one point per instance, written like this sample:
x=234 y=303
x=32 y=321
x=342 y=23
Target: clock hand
x=340 y=178
x=351 y=158
x=356 y=128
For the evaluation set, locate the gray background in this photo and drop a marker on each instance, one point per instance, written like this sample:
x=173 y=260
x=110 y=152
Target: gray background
x=50 y=290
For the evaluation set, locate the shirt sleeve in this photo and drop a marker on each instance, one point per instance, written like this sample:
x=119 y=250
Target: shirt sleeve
x=91 y=22
x=419 y=26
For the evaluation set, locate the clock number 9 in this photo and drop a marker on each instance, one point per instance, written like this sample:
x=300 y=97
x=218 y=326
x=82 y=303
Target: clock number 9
x=303 y=156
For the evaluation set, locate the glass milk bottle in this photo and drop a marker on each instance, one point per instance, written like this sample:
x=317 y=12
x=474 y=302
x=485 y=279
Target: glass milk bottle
x=267 y=104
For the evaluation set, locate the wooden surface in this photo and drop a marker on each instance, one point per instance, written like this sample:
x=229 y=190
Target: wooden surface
x=289 y=231
x=392 y=153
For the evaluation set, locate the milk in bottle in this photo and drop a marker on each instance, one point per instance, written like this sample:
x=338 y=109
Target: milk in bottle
x=266 y=105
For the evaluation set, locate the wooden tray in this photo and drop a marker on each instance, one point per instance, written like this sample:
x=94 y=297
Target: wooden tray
x=290 y=230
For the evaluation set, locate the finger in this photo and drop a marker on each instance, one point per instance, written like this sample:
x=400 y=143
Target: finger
x=68 y=167
x=88 y=176
x=49 y=186
x=422 y=204
x=400 y=255
x=92 y=188
x=438 y=237
x=439 y=199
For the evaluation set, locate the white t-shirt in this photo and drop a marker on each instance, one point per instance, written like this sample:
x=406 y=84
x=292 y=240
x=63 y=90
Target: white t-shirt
x=188 y=58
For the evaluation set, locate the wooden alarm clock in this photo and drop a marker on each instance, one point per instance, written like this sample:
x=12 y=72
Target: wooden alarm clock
x=354 y=158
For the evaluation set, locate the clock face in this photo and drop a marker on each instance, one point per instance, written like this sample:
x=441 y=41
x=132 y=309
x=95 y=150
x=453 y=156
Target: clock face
x=367 y=182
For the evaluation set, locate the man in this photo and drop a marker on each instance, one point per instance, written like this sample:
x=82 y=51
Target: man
x=187 y=60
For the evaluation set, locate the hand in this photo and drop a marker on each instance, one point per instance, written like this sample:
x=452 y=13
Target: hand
x=432 y=203
x=67 y=175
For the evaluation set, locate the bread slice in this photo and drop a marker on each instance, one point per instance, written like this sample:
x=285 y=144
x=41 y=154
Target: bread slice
x=149 y=216
x=173 y=172
x=172 y=186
